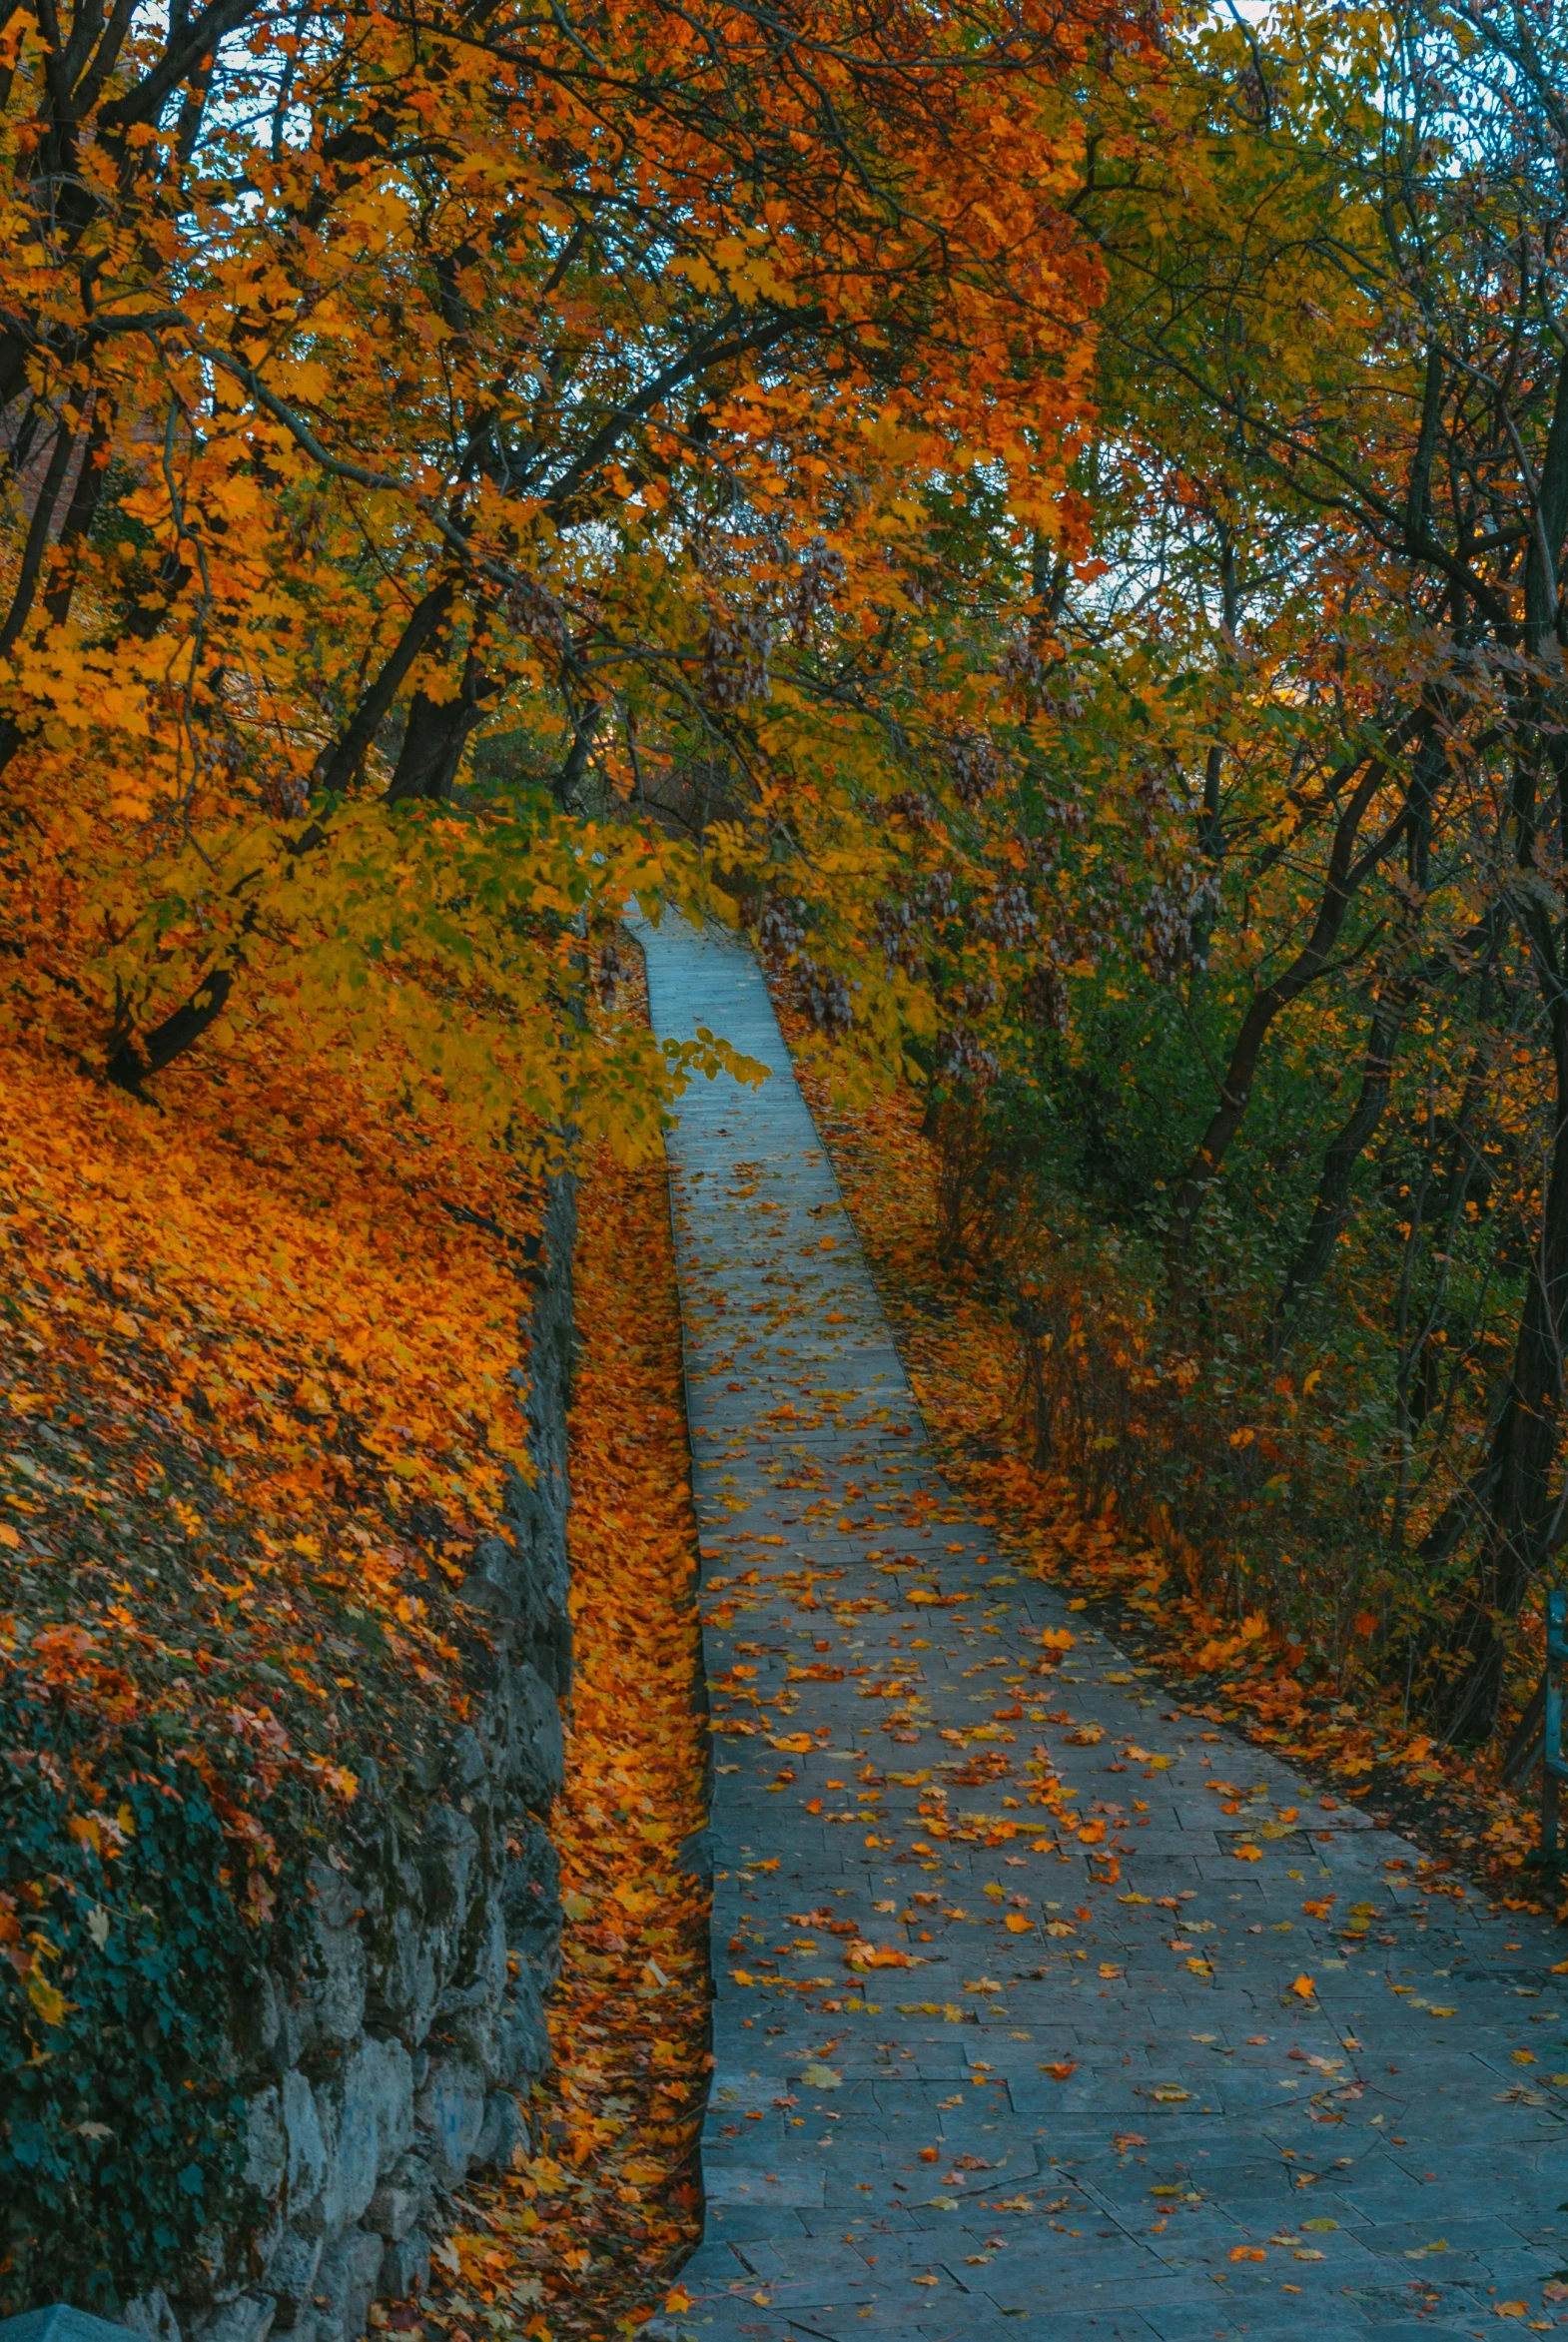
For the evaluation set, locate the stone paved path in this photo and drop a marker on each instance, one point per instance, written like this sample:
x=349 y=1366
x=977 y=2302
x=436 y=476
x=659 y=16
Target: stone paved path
x=1069 y=2127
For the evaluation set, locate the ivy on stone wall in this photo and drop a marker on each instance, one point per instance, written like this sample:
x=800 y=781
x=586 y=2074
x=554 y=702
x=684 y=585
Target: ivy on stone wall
x=122 y=2138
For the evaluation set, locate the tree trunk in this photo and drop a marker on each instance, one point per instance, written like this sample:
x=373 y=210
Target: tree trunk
x=438 y=733
x=1345 y=873
x=35 y=544
x=80 y=514
x=569 y=779
x=134 y=1055
x=1523 y=1521
x=82 y=511
x=1332 y=1206
x=428 y=766
x=337 y=766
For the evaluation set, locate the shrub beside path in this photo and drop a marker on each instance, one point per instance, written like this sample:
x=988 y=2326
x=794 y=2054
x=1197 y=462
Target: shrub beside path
x=1208 y=2060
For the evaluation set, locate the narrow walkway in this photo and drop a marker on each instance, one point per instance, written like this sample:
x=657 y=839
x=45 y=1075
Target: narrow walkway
x=1105 y=2100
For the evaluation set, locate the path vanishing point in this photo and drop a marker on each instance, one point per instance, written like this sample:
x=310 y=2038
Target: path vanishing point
x=1096 y=2106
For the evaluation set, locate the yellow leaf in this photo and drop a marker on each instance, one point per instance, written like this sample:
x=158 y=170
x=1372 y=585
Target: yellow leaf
x=49 y=2001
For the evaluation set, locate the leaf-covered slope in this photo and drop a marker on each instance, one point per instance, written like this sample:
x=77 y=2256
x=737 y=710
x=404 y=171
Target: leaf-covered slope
x=259 y=1367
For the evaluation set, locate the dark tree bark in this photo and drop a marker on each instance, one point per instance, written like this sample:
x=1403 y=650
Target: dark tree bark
x=1522 y=1516
x=81 y=512
x=1523 y=1519
x=1331 y=1207
x=432 y=753
x=1347 y=870
x=438 y=729
x=575 y=763
x=426 y=768
x=35 y=546
x=338 y=766
x=135 y=1055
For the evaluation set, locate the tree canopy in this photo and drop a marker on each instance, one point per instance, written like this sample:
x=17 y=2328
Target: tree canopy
x=1048 y=517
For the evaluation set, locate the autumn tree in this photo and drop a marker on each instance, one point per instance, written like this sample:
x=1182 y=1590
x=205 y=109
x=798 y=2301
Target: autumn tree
x=380 y=382
x=1334 y=336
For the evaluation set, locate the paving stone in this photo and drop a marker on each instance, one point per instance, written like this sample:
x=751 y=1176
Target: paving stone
x=944 y=2147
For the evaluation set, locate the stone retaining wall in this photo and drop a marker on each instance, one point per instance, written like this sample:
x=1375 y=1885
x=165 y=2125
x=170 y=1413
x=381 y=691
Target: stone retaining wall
x=385 y=2072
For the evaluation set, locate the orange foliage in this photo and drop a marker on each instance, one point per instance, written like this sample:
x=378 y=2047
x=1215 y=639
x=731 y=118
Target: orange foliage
x=589 y=437
x=257 y=1372
x=582 y=2237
